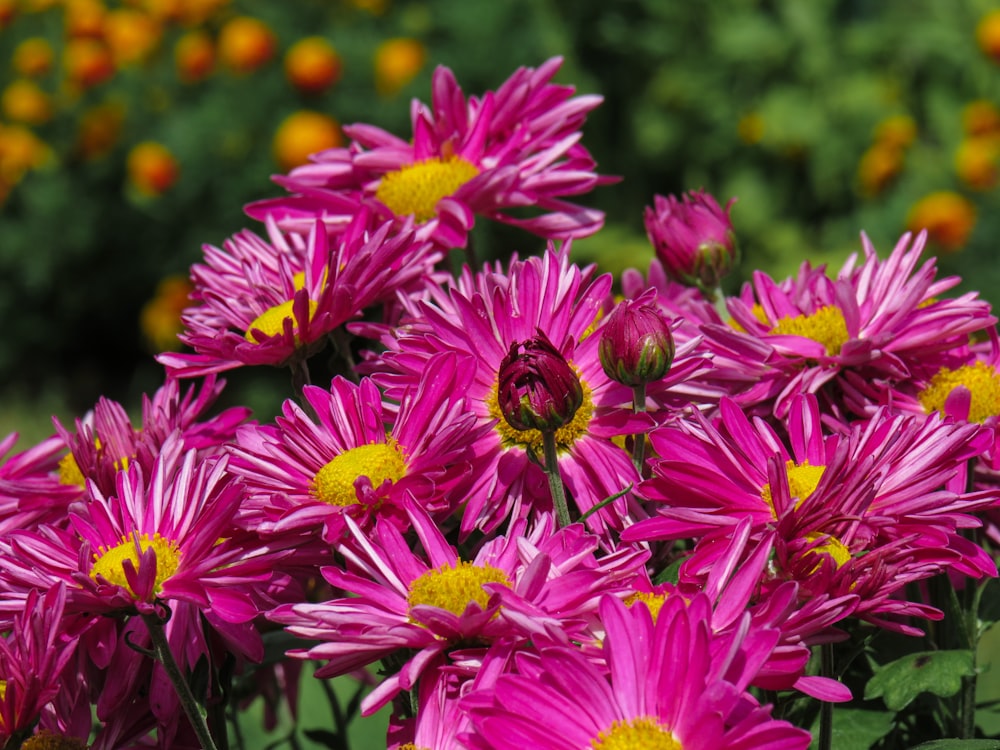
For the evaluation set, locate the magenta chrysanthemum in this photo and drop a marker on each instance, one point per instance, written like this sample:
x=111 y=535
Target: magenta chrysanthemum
x=515 y=148
x=357 y=457
x=667 y=684
x=274 y=302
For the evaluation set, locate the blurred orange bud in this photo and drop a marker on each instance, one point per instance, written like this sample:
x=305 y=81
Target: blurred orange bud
x=878 y=166
x=84 y=18
x=898 y=131
x=980 y=117
x=132 y=35
x=312 y=65
x=20 y=150
x=245 y=44
x=23 y=101
x=198 y=12
x=976 y=162
x=100 y=129
x=947 y=216
x=33 y=57
x=160 y=318
x=303 y=133
x=8 y=9
x=988 y=34
x=152 y=169
x=194 y=56
x=397 y=62
x=88 y=62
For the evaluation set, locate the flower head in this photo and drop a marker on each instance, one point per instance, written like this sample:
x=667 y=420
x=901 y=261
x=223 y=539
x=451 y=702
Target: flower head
x=637 y=346
x=693 y=238
x=536 y=387
x=512 y=148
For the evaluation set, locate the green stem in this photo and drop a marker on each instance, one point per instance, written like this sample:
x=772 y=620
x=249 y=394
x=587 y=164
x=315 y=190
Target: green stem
x=191 y=708
x=825 y=707
x=555 y=480
x=639 y=440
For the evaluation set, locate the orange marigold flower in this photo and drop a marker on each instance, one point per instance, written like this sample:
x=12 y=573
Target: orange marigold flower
x=303 y=133
x=33 y=57
x=312 y=65
x=899 y=131
x=152 y=169
x=976 y=162
x=397 y=62
x=23 y=101
x=194 y=56
x=947 y=216
x=245 y=44
x=88 y=62
x=980 y=117
x=878 y=166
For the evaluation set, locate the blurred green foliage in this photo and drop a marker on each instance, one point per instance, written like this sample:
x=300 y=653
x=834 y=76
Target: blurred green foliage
x=776 y=102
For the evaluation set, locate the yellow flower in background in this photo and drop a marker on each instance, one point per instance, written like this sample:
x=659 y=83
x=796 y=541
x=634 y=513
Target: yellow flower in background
x=397 y=62
x=750 y=128
x=878 y=166
x=303 y=133
x=245 y=44
x=152 y=169
x=132 y=35
x=20 y=151
x=33 y=57
x=899 y=131
x=23 y=101
x=87 y=62
x=312 y=65
x=84 y=18
x=160 y=318
x=988 y=34
x=980 y=117
x=194 y=56
x=976 y=162
x=199 y=12
x=99 y=129
x=947 y=216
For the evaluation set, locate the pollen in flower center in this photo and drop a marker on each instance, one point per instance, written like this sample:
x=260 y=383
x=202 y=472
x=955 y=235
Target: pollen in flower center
x=566 y=435
x=416 y=188
x=825 y=326
x=108 y=562
x=454 y=587
x=643 y=733
x=334 y=483
x=802 y=482
x=46 y=740
x=832 y=547
x=271 y=322
x=982 y=381
x=654 y=602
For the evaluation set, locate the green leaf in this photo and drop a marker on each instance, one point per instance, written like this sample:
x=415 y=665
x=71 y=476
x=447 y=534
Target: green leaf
x=856 y=729
x=938 y=672
x=959 y=745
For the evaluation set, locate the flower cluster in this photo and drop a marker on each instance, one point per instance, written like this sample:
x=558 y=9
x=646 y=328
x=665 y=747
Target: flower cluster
x=551 y=517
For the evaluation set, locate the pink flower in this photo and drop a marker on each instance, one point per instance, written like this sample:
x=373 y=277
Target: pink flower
x=358 y=457
x=693 y=238
x=275 y=302
x=667 y=682
x=514 y=148
x=30 y=488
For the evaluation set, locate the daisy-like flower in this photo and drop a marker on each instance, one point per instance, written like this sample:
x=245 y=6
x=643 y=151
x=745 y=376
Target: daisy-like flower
x=32 y=656
x=275 y=301
x=669 y=684
x=166 y=538
x=514 y=148
x=881 y=319
x=486 y=315
x=30 y=489
x=357 y=457
x=859 y=512
x=412 y=609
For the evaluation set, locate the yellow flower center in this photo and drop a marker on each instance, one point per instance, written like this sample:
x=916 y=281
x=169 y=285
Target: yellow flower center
x=802 y=482
x=532 y=439
x=46 y=740
x=654 y=602
x=69 y=472
x=109 y=562
x=416 y=188
x=826 y=326
x=272 y=321
x=980 y=378
x=636 y=734
x=832 y=547
x=454 y=587
x=334 y=483
x=758 y=312
x=411 y=746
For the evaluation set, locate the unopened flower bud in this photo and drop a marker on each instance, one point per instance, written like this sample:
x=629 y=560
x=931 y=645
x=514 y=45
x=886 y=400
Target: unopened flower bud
x=636 y=345
x=693 y=239
x=537 y=389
